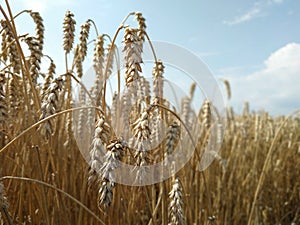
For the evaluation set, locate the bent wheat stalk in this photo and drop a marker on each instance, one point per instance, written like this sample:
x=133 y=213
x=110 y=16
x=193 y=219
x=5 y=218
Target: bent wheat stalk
x=56 y=189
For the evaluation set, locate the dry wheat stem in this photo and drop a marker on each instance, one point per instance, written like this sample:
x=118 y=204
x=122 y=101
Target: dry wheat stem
x=23 y=11
x=4 y=205
x=184 y=125
x=56 y=189
x=197 y=153
x=259 y=151
x=45 y=120
x=126 y=18
x=82 y=86
x=266 y=164
x=106 y=71
x=94 y=25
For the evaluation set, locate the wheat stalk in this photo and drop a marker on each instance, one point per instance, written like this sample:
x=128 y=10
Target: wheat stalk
x=4 y=205
x=247 y=149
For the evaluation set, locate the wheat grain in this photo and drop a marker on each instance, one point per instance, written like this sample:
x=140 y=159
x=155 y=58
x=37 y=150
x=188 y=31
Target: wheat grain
x=48 y=78
x=141 y=133
x=172 y=138
x=228 y=89
x=97 y=151
x=99 y=53
x=206 y=114
x=3 y=109
x=4 y=33
x=83 y=37
x=157 y=73
x=125 y=105
x=132 y=55
x=82 y=118
x=98 y=64
x=114 y=153
x=105 y=194
x=35 y=58
x=142 y=25
x=115 y=109
x=176 y=213
x=78 y=61
x=69 y=31
x=141 y=128
x=50 y=105
x=113 y=156
x=39 y=29
x=9 y=48
x=3 y=102
x=142 y=159
x=15 y=100
x=186 y=111
x=143 y=93
x=102 y=129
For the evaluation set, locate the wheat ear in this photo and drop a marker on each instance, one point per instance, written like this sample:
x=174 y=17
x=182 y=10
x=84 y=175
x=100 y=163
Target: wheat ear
x=176 y=213
x=68 y=31
x=39 y=29
x=133 y=55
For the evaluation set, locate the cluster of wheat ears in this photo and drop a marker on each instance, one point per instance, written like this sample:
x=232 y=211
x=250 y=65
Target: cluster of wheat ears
x=45 y=178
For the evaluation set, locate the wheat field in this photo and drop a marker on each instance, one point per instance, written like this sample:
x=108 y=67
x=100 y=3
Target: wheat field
x=47 y=117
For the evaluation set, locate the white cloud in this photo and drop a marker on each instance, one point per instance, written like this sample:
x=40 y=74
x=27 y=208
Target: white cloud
x=275 y=88
x=251 y=14
x=256 y=11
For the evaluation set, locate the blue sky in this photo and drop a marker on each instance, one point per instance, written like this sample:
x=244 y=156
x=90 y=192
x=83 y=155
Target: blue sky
x=253 y=44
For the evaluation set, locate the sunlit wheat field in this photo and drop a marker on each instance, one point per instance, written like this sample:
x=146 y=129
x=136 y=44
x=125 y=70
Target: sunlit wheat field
x=62 y=141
